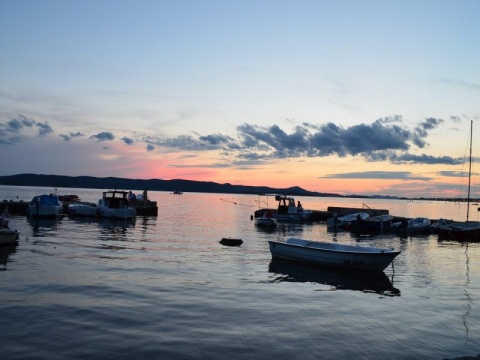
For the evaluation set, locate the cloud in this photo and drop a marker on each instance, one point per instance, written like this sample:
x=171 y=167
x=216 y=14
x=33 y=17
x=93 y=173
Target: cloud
x=127 y=140
x=421 y=131
x=103 y=136
x=44 y=129
x=71 y=135
x=455 y=173
x=383 y=175
x=386 y=139
x=18 y=123
x=461 y=83
x=424 y=159
x=373 y=141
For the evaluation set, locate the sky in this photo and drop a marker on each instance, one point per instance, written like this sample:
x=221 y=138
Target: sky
x=347 y=97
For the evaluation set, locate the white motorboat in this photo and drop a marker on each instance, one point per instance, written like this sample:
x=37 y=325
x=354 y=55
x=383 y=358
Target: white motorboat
x=266 y=220
x=288 y=211
x=115 y=205
x=332 y=254
x=44 y=206
x=78 y=209
x=343 y=222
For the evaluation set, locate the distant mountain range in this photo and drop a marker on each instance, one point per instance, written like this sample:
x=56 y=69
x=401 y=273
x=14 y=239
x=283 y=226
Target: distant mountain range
x=90 y=182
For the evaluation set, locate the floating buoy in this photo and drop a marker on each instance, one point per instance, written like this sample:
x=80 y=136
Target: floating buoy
x=231 y=242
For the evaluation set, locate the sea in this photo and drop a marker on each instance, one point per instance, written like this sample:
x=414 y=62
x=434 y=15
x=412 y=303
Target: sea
x=164 y=287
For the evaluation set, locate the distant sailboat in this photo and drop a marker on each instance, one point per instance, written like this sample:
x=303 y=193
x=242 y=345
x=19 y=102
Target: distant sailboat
x=468 y=230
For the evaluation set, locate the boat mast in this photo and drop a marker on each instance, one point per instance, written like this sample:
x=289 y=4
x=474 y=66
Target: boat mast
x=469 y=169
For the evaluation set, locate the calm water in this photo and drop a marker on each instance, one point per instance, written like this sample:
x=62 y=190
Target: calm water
x=164 y=288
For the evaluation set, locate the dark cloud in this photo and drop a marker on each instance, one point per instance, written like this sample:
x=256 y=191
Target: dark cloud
x=455 y=173
x=421 y=131
x=424 y=159
x=71 y=135
x=43 y=129
x=19 y=122
x=103 y=136
x=150 y=147
x=216 y=139
x=384 y=175
x=127 y=140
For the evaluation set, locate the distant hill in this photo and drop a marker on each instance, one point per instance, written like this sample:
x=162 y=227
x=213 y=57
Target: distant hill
x=91 y=182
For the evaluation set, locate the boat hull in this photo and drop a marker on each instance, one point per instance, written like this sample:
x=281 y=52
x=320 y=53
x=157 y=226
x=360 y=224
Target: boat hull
x=44 y=211
x=81 y=210
x=8 y=236
x=117 y=213
x=333 y=255
x=265 y=222
x=378 y=224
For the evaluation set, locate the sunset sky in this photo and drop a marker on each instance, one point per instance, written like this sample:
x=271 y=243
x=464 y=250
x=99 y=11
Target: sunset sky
x=365 y=97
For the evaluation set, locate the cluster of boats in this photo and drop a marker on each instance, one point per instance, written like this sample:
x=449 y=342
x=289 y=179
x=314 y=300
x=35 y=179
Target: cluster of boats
x=363 y=222
x=114 y=204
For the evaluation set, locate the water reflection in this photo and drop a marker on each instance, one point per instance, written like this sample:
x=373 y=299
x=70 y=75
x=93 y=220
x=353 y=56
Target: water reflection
x=367 y=281
x=5 y=252
x=112 y=229
x=43 y=227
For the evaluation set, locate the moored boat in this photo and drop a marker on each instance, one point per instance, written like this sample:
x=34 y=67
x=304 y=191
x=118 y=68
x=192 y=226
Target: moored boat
x=333 y=254
x=78 y=209
x=379 y=223
x=115 y=205
x=418 y=225
x=468 y=230
x=44 y=206
x=344 y=222
x=266 y=220
x=287 y=210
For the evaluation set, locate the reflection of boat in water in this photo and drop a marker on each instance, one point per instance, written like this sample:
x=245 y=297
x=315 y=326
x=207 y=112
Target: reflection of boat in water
x=374 y=281
x=5 y=252
x=42 y=226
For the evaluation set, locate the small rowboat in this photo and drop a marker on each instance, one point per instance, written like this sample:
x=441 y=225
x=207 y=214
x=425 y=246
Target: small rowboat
x=231 y=242
x=332 y=254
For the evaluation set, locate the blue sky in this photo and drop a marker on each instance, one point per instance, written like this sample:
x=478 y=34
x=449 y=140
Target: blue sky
x=335 y=96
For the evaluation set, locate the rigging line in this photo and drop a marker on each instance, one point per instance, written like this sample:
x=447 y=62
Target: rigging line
x=235 y=203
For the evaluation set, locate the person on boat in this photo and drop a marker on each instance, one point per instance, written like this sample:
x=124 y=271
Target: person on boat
x=299 y=206
x=145 y=198
x=131 y=196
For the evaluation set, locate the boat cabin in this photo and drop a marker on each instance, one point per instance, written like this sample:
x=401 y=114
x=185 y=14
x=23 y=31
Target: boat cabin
x=115 y=199
x=286 y=205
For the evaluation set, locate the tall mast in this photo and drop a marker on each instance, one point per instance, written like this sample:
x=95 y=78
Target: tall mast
x=469 y=169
